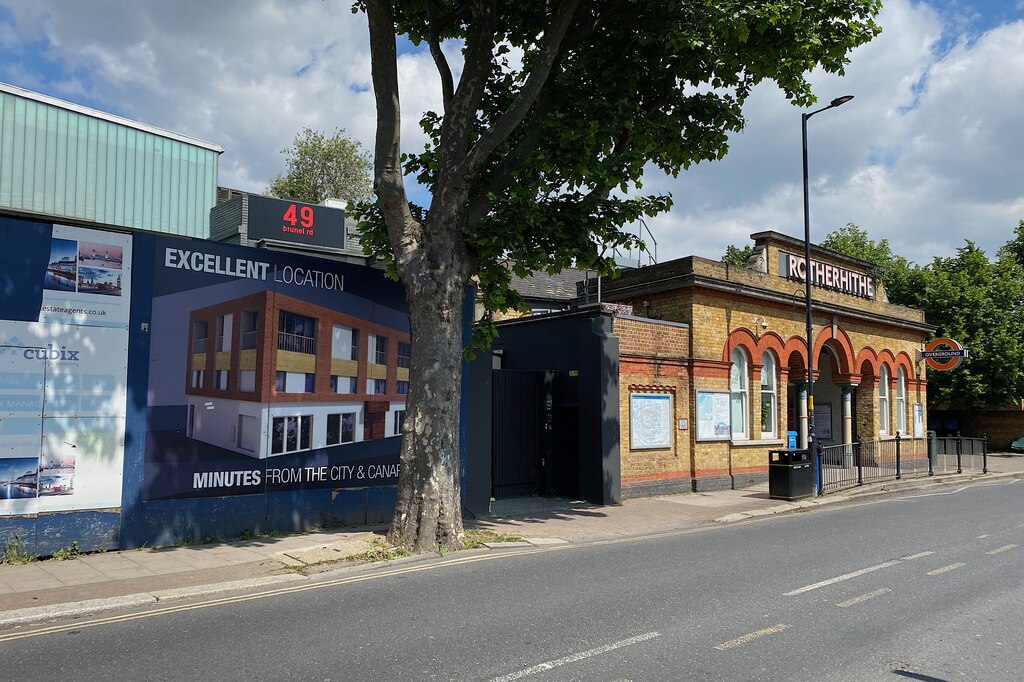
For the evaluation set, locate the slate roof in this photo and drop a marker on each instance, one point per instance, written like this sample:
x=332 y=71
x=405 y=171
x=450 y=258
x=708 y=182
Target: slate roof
x=540 y=285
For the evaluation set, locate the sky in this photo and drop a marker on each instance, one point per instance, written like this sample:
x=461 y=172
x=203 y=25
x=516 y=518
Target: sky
x=929 y=153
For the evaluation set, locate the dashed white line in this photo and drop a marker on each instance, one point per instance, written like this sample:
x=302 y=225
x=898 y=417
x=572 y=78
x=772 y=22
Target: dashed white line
x=750 y=636
x=855 y=574
x=997 y=550
x=916 y=556
x=841 y=578
x=982 y=537
x=863 y=598
x=946 y=569
x=526 y=672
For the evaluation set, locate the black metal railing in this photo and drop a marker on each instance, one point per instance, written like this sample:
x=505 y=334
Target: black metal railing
x=854 y=464
x=959 y=454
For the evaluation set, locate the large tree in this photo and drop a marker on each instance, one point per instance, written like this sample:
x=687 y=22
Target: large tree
x=968 y=297
x=538 y=153
x=980 y=303
x=320 y=166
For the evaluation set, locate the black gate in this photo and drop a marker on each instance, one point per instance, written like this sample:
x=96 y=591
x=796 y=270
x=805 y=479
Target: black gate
x=517 y=432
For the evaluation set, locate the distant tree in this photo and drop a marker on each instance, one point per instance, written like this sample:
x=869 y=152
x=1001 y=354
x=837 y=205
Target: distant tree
x=968 y=297
x=322 y=167
x=1015 y=247
x=901 y=278
x=735 y=255
x=978 y=303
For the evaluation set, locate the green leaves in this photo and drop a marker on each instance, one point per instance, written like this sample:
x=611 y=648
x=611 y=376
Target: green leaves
x=635 y=82
x=320 y=167
x=978 y=302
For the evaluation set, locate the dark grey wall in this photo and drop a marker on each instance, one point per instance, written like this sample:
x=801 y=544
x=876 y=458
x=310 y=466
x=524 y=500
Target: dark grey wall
x=580 y=347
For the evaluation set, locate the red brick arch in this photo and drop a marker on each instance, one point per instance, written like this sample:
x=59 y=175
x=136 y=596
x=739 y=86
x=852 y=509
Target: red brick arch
x=742 y=338
x=903 y=360
x=840 y=343
x=868 y=356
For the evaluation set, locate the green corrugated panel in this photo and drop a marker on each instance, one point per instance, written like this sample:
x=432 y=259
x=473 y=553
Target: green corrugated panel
x=63 y=163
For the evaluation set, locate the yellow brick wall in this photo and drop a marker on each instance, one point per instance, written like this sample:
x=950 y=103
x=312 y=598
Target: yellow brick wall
x=653 y=358
x=720 y=317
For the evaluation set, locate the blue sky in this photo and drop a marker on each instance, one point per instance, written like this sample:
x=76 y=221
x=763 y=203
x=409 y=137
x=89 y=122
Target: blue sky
x=926 y=155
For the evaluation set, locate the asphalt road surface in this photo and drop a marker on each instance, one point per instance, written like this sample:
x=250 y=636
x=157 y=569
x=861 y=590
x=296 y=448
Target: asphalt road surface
x=918 y=587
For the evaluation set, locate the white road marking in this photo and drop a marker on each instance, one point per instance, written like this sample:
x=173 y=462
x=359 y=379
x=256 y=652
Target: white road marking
x=841 y=578
x=982 y=537
x=946 y=569
x=750 y=636
x=863 y=598
x=855 y=574
x=576 y=657
x=997 y=550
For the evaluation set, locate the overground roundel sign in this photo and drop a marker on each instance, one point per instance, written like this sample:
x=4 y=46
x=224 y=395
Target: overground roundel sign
x=944 y=354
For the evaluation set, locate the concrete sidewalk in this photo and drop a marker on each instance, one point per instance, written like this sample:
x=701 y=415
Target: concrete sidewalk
x=47 y=589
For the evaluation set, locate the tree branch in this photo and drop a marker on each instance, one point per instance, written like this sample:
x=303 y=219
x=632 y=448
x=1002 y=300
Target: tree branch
x=443 y=68
x=503 y=127
x=388 y=183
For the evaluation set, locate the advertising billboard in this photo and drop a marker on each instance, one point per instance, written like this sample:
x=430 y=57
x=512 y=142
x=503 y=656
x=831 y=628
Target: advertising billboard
x=269 y=372
x=63 y=379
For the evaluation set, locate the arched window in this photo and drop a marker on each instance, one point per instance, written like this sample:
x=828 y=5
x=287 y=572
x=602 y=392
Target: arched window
x=883 y=400
x=769 y=417
x=738 y=386
x=901 y=402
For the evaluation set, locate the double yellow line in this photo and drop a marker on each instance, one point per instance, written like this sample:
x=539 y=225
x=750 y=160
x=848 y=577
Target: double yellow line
x=238 y=599
x=294 y=589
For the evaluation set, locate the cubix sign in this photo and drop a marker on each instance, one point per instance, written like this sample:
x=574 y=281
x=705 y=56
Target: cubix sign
x=943 y=354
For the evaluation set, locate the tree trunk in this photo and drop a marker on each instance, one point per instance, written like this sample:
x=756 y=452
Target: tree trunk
x=428 y=508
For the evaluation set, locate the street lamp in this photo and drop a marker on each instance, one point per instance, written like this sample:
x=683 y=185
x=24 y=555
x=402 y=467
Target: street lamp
x=838 y=101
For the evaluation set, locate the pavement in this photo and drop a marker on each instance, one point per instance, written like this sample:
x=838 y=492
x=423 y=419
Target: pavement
x=50 y=589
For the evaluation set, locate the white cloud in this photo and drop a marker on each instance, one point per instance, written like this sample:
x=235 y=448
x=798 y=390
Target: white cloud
x=925 y=155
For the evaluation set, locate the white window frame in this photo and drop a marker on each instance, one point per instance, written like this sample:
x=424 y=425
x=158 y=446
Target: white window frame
x=883 y=401
x=739 y=392
x=901 y=401
x=769 y=393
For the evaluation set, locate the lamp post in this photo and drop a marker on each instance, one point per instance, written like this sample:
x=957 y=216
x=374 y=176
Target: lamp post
x=838 y=101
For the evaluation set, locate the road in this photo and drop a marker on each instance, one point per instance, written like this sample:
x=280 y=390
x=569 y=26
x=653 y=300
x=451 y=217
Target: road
x=919 y=587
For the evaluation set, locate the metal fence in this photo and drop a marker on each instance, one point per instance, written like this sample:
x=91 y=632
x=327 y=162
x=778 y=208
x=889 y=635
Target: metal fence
x=296 y=343
x=853 y=464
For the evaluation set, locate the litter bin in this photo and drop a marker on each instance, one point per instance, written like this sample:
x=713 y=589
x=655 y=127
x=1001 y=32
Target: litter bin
x=790 y=474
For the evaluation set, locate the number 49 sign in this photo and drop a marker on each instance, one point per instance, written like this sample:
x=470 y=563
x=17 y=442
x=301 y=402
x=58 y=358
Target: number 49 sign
x=295 y=222
x=304 y=220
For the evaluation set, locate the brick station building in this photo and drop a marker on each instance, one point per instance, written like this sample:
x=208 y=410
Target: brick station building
x=736 y=371
x=688 y=372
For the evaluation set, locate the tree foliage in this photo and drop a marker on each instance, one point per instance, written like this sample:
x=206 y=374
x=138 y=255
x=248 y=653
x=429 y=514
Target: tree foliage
x=900 y=278
x=537 y=156
x=968 y=297
x=735 y=255
x=978 y=302
x=321 y=167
